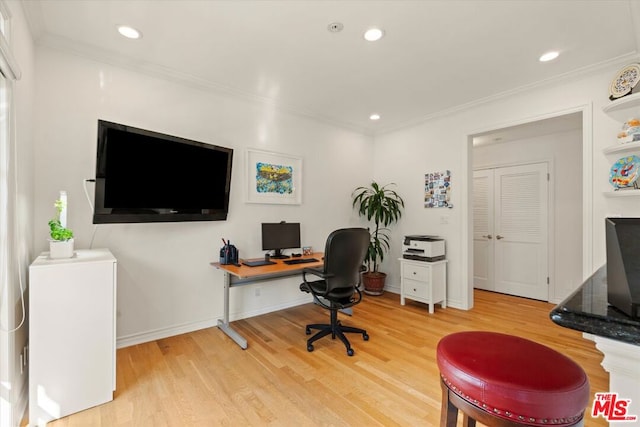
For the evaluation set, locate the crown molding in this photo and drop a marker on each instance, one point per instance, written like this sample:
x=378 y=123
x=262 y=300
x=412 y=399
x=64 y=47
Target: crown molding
x=33 y=15
x=109 y=57
x=158 y=71
x=552 y=81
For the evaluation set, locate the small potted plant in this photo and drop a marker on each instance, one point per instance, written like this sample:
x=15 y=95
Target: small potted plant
x=383 y=206
x=61 y=238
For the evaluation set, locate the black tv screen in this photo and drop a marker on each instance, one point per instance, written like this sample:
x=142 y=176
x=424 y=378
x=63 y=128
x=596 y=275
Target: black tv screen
x=623 y=264
x=145 y=176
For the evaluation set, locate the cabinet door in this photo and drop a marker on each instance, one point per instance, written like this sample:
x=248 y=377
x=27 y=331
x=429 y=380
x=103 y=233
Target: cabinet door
x=416 y=290
x=521 y=226
x=483 y=229
x=510 y=230
x=71 y=330
x=416 y=272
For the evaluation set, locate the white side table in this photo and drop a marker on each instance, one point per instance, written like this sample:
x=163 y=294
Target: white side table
x=423 y=281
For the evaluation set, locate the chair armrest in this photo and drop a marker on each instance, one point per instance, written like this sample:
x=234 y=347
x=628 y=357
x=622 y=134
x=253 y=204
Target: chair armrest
x=316 y=272
x=319 y=273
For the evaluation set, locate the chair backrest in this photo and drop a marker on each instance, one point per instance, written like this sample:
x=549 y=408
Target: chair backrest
x=344 y=254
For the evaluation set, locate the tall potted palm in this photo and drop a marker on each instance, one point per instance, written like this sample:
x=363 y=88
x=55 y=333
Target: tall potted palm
x=383 y=206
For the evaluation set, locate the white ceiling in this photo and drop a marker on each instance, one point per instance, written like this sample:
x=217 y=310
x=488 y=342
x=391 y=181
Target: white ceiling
x=437 y=55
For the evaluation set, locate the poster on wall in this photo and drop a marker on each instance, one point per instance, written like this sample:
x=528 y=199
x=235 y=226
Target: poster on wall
x=437 y=190
x=273 y=178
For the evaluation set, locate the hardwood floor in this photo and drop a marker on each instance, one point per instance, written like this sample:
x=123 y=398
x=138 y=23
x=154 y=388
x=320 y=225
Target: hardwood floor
x=203 y=378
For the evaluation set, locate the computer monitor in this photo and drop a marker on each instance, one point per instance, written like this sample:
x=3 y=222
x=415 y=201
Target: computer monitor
x=280 y=235
x=623 y=264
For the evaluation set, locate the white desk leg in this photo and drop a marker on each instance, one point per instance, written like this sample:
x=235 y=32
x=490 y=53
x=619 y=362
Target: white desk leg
x=223 y=324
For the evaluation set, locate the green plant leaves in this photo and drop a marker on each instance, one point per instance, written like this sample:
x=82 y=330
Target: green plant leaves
x=383 y=206
x=56 y=230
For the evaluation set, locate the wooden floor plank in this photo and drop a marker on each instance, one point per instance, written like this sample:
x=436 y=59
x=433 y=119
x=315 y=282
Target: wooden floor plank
x=203 y=378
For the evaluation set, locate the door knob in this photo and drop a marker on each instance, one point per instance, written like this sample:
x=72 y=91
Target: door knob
x=487 y=236
x=499 y=237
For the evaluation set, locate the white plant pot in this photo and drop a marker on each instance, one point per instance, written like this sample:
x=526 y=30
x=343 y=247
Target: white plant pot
x=60 y=249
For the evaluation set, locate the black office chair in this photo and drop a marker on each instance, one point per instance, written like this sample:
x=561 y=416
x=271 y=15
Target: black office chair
x=344 y=254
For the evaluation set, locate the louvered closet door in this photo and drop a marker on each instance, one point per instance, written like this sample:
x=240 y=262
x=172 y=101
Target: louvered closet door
x=483 y=229
x=521 y=228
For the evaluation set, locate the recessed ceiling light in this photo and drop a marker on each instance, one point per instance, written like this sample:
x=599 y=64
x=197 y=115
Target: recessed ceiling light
x=373 y=34
x=374 y=116
x=549 y=56
x=129 y=32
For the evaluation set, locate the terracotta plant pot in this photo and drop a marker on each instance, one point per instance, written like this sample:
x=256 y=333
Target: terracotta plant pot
x=374 y=282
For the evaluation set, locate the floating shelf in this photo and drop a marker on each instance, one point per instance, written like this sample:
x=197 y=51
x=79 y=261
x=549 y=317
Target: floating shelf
x=622 y=193
x=624 y=108
x=622 y=148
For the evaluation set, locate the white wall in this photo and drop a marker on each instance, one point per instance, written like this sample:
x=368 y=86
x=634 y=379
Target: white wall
x=13 y=379
x=165 y=282
x=443 y=143
x=564 y=152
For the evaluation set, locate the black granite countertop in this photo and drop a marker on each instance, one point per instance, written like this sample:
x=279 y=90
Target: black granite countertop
x=587 y=310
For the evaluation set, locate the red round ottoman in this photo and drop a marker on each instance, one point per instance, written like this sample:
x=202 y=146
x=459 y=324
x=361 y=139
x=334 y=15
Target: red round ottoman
x=504 y=380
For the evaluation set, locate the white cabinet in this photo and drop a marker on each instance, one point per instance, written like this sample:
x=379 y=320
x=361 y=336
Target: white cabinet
x=423 y=281
x=72 y=351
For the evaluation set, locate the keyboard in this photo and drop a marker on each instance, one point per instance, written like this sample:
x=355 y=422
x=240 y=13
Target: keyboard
x=300 y=261
x=257 y=263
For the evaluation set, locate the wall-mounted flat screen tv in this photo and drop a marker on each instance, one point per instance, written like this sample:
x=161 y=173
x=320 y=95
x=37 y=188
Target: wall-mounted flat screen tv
x=145 y=176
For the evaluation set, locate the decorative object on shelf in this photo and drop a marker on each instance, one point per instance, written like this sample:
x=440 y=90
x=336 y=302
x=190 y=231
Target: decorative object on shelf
x=61 y=238
x=630 y=131
x=437 y=190
x=383 y=206
x=624 y=82
x=273 y=178
x=624 y=172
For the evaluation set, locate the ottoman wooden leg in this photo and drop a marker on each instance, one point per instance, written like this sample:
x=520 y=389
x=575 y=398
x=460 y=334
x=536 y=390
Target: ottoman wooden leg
x=449 y=412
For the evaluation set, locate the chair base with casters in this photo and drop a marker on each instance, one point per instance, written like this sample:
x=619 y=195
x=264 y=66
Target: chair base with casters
x=507 y=381
x=336 y=286
x=336 y=329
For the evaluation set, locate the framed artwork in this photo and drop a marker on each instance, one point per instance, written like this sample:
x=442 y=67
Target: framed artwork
x=273 y=178
x=437 y=190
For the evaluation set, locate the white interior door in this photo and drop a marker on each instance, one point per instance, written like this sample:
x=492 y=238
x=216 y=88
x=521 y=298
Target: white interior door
x=519 y=242
x=483 y=229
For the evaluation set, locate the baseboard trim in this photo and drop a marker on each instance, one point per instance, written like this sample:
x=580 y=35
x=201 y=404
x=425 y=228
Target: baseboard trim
x=170 y=331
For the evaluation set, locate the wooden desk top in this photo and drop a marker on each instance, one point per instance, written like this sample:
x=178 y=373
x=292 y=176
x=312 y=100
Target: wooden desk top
x=245 y=272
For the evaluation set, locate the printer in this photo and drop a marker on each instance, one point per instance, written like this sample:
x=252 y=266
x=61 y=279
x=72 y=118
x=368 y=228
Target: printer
x=423 y=248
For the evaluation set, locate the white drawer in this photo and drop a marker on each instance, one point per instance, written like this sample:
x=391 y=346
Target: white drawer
x=413 y=288
x=416 y=272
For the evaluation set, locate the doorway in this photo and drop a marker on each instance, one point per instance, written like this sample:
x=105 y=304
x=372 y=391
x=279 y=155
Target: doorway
x=563 y=143
x=510 y=233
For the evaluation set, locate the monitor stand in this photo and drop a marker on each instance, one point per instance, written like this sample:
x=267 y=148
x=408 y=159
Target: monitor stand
x=278 y=254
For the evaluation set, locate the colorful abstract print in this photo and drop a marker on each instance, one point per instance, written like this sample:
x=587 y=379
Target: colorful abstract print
x=274 y=179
